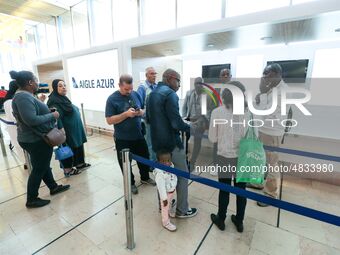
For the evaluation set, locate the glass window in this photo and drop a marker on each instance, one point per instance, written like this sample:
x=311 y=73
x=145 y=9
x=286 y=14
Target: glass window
x=153 y=11
x=31 y=53
x=52 y=39
x=191 y=12
x=66 y=32
x=125 y=19
x=43 y=50
x=239 y=7
x=102 y=21
x=81 y=28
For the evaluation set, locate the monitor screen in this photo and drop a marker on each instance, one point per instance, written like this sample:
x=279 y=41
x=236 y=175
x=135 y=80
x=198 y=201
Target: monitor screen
x=293 y=71
x=211 y=73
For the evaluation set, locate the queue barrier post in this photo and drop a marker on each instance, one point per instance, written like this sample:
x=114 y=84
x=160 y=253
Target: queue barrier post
x=128 y=198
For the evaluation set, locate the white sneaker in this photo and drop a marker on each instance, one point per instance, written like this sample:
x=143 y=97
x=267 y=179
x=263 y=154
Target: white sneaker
x=171 y=227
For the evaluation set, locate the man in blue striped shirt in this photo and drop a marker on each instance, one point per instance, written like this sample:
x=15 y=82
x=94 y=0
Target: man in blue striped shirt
x=144 y=90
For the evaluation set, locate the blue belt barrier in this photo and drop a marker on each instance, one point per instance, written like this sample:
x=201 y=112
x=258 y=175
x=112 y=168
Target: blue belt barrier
x=303 y=153
x=8 y=122
x=301 y=210
x=300 y=153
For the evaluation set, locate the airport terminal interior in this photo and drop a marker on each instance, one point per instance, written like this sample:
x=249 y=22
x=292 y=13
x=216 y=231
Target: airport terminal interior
x=82 y=56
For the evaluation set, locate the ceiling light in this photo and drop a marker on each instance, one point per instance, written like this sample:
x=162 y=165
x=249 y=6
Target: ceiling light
x=169 y=52
x=265 y=38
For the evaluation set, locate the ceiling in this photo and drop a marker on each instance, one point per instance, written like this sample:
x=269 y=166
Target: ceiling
x=313 y=28
x=51 y=66
x=35 y=10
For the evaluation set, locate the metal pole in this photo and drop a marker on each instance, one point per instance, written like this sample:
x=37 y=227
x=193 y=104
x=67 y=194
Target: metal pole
x=3 y=147
x=128 y=199
x=280 y=197
x=28 y=162
x=83 y=114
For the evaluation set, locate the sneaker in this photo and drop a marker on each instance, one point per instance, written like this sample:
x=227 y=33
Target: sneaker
x=217 y=221
x=171 y=227
x=149 y=181
x=262 y=204
x=134 y=189
x=38 y=202
x=238 y=225
x=83 y=166
x=190 y=213
x=172 y=211
x=59 y=189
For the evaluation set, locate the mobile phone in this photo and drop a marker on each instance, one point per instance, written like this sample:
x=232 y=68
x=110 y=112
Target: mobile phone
x=133 y=105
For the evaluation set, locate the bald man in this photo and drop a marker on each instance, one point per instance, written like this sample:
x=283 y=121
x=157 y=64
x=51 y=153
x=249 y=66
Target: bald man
x=271 y=133
x=166 y=124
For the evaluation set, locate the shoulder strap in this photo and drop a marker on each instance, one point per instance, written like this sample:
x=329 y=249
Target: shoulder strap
x=251 y=130
x=18 y=118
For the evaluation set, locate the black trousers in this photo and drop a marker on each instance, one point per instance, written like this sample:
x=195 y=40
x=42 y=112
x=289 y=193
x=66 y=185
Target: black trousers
x=138 y=147
x=223 y=197
x=77 y=159
x=40 y=155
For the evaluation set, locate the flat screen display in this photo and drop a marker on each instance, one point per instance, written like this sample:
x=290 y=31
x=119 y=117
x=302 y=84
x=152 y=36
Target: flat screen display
x=293 y=71
x=211 y=73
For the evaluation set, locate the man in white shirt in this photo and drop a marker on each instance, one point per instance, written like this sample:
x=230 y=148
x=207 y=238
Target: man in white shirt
x=272 y=131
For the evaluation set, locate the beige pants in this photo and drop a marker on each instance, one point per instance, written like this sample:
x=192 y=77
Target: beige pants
x=272 y=182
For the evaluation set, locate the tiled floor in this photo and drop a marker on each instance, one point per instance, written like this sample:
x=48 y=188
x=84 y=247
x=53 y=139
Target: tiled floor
x=90 y=219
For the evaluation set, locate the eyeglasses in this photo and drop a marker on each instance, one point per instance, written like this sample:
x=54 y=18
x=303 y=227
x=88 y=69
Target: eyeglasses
x=178 y=80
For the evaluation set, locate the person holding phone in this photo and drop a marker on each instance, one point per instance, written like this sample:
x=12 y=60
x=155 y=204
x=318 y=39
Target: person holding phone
x=124 y=111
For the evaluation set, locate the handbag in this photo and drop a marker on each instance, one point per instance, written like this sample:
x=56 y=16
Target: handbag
x=54 y=137
x=251 y=159
x=63 y=152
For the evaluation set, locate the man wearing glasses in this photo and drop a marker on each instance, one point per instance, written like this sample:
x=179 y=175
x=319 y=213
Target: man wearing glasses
x=166 y=123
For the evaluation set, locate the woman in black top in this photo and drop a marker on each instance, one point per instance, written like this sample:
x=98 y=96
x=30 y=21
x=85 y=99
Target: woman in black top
x=34 y=119
x=70 y=121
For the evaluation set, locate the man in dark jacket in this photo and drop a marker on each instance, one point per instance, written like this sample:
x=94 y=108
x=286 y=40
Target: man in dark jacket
x=166 y=123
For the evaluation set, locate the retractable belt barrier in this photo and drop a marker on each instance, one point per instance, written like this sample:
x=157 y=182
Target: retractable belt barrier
x=302 y=153
x=301 y=210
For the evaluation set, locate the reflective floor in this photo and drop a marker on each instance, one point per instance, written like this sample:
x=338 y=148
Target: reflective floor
x=89 y=218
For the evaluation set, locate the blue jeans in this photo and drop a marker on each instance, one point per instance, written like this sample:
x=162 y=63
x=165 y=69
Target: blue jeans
x=152 y=154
